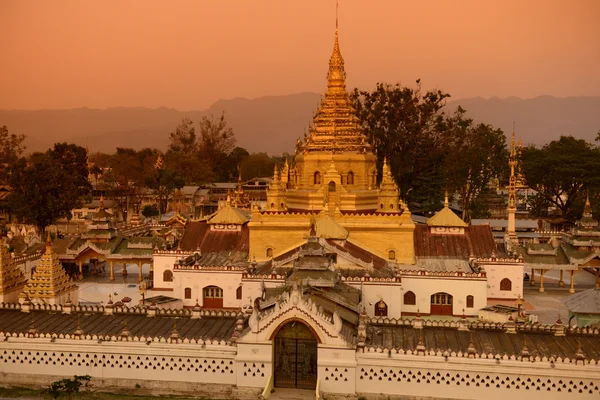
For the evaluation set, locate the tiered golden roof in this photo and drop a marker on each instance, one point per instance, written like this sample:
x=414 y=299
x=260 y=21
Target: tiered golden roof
x=49 y=280
x=11 y=277
x=335 y=129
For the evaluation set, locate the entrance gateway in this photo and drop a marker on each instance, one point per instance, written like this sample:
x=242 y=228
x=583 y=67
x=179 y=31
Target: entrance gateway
x=295 y=357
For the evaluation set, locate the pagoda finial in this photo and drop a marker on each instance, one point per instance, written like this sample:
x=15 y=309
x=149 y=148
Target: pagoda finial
x=336 y=75
x=446 y=204
x=336 y=14
x=48 y=240
x=101 y=201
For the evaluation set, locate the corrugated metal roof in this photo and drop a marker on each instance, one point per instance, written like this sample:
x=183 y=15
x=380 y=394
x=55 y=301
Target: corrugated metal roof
x=485 y=341
x=477 y=241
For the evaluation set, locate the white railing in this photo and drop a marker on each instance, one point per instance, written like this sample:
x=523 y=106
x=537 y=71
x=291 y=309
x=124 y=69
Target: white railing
x=318 y=390
x=268 y=388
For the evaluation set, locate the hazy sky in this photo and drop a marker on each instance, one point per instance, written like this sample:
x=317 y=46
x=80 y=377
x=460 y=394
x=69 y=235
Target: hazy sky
x=188 y=54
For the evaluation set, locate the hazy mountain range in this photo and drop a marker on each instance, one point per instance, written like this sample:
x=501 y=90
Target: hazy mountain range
x=272 y=124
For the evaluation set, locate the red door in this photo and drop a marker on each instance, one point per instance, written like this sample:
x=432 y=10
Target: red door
x=212 y=297
x=441 y=304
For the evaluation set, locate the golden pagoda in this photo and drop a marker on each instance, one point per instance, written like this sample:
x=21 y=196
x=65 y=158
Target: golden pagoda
x=334 y=173
x=49 y=283
x=12 y=279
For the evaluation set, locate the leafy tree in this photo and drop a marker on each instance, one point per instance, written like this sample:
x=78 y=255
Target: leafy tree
x=561 y=172
x=257 y=165
x=216 y=142
x=183 y=155
x=407 y=127
x=68 y=386
x=150 y=210
x=429 y=151
x=11 y=149
x=477 y=154
x=49 y=185
x=164 y=182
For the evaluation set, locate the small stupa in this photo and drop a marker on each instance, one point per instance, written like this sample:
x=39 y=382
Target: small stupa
x=49 y=283
x=12 y=279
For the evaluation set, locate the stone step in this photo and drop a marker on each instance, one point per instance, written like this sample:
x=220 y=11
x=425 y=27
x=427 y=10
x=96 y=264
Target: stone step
x=292 y=394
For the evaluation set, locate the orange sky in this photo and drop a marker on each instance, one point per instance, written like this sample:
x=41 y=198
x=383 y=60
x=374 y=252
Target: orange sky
x=188 y=54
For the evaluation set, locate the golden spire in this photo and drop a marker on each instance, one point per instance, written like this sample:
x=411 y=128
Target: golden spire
x=336 y=76
x=446 y=203
x=335 y=128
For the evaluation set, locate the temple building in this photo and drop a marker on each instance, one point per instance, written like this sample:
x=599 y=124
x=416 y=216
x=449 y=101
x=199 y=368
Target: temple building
x=326 y=209
x=329 y=288
x=102 y=242
x=334 y=173
x=12 y=279
x=49 y=283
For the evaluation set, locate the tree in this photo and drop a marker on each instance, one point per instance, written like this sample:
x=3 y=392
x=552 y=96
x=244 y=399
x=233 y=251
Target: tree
x=11 y=149
x=150 y=210
x=217 y=141
x=429 y=151
x=561 y=172
x=477 y=154
x=257 y=165
x=68 y=386
x=49 y=185
x=184 y=157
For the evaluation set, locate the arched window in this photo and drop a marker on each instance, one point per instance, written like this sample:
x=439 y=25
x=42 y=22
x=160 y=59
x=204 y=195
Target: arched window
x=391 y=206
x=168 y=275
x=392 y=255
x=281 y=205
x=272 y=205
x=470 y=301
x=381 y=309
x=332 y=186
x=350 y=178
x=188 y=293
x=238 y=293
x=269 y=252
x=410 y=299
x=212 y=297
x=317 y=178
x=505 y=284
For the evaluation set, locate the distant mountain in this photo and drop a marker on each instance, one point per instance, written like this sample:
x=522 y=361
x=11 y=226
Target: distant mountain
x=272 y=124
x=539 y=120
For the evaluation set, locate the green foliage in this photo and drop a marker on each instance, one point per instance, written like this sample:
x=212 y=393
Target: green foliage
x=429 y=151
x=257 y=165
x=11 y=149
x=49 y=185
x=150 y=210
x=68 y=386
x=561 y=172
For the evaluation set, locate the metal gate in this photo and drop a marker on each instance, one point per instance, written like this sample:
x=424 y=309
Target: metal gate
x=295 y=357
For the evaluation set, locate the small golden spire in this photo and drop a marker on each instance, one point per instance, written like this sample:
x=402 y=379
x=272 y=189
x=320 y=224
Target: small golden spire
x=101 y=207
x=446 y=204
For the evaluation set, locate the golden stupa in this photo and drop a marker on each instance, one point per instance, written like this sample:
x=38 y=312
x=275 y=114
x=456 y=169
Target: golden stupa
x=334 y=173
x=49 y=283
x=12 y=279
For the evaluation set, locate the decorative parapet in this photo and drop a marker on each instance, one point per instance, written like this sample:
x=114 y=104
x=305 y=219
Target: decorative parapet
x=115 y=338
x=197 y=267
x=264 y=276
x=458 y=274
x=28 y=257
x=390 y=352
x=498 y=260
x=100 y=309
x=173 y=252
x=366 y=278
x=482 y=325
